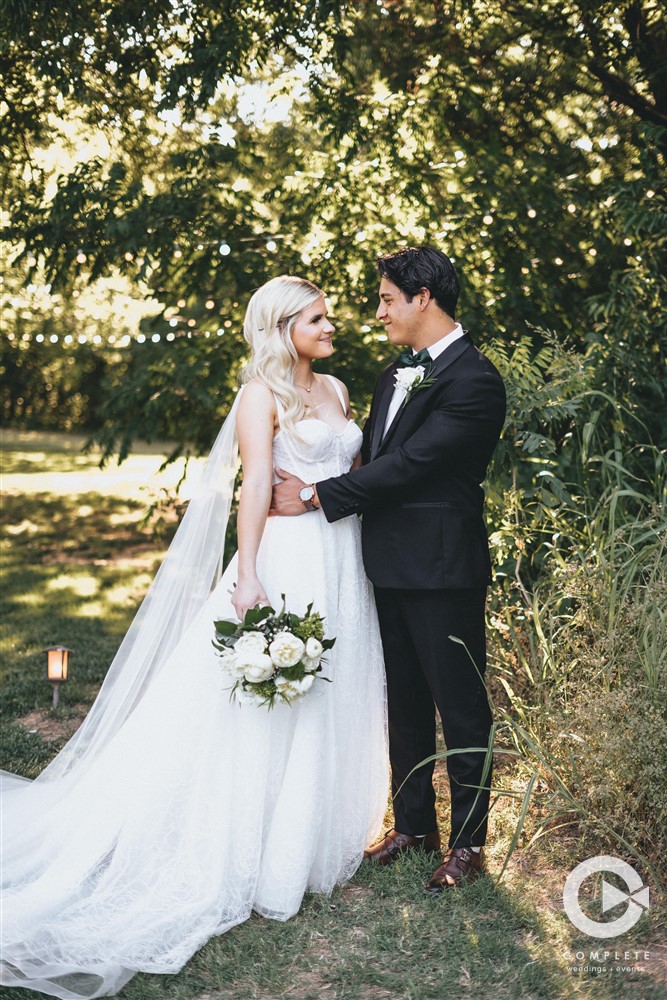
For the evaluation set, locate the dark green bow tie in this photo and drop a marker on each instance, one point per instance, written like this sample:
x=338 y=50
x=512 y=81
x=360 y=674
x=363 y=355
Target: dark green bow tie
x=411 y=360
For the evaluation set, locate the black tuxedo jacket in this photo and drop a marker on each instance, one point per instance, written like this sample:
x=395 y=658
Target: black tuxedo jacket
x=419 y=488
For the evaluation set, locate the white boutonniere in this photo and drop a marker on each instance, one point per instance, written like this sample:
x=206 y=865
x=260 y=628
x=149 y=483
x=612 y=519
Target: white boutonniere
x=412 y=379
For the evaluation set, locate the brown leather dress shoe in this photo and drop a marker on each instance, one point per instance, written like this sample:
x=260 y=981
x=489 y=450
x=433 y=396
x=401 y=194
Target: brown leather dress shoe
x=460 y=865
x=394 y=844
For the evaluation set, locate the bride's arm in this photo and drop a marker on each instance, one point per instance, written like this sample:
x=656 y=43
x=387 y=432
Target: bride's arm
x=255 y=425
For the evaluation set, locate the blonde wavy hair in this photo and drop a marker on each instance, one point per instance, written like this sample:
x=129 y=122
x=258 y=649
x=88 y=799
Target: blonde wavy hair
x=267 y=327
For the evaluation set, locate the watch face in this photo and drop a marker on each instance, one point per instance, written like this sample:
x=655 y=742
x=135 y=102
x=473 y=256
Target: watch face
x=306 y=493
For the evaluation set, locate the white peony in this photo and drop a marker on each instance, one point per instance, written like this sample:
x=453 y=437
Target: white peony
x=251 y=642
x=287 y=689
x=256 y=667
x=246 y=696
x=230 y=663
x=294 y=689
x=286 y=649
x=408 y=378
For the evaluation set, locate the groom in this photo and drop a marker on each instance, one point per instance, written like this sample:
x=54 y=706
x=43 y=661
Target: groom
x=435 y=419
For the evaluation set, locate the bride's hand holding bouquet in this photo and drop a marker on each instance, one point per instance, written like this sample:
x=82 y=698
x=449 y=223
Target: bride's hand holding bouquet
x=248 y=593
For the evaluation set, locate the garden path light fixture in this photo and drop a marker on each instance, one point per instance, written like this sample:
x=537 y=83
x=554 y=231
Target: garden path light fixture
x=57 y=664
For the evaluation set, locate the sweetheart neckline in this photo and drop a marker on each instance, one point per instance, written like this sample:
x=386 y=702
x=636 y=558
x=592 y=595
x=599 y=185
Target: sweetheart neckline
x=318 y=420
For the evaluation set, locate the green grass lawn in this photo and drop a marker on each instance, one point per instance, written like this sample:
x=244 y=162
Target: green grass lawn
x=76 y=560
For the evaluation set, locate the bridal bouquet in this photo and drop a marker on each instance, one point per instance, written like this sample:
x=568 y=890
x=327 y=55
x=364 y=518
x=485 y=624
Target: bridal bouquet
x=271 y=656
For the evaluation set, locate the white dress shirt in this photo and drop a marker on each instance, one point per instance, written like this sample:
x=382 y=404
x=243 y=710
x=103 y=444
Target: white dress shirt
x=435 y=350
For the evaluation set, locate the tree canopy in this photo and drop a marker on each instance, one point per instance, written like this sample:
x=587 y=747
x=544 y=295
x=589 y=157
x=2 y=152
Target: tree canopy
x=196 y=149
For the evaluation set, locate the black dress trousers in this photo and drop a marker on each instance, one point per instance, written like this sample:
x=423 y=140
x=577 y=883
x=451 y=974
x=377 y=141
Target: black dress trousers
x=427 y=670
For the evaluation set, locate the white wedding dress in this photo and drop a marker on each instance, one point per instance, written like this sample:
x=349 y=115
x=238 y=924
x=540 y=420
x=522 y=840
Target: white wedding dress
x=198 y=811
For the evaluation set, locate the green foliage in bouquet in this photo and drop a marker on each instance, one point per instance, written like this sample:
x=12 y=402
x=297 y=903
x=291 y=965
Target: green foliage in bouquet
x=272 y=656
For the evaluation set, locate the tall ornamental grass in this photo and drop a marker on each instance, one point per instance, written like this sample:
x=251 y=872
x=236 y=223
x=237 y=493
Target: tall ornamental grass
x=578 y=620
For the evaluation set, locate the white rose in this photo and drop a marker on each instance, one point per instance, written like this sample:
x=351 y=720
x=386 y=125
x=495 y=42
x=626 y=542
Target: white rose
x=255 y=667
x=407 y=378
x=251 y=642
x=286 y=649
x=313 y=654
x=304 y=684
x=314 y=648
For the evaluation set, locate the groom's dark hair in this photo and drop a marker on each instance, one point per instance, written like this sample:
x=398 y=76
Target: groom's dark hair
x=413 y=268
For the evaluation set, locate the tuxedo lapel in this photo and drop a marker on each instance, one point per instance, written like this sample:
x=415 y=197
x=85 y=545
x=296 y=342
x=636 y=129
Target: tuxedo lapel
x=380 y=416
x=452 y=353
x=441 y=363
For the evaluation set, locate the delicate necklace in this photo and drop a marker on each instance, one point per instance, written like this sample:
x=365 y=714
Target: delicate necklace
x=305 y=386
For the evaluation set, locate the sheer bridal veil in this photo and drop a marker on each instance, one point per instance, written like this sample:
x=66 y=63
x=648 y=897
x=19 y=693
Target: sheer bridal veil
x=60 y=934
x=188 y=573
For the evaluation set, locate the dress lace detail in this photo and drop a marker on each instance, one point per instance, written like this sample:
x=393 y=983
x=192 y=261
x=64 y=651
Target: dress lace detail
x=200 y=811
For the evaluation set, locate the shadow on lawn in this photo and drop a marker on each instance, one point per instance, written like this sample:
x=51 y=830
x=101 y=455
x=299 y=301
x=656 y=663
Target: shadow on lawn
x=75 y=570
x=380 y=936
x=84 y=526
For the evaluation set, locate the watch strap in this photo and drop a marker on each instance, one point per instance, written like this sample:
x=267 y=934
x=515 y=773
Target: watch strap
x=308 y=504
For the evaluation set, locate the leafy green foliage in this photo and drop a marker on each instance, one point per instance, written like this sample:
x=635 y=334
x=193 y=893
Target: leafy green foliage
x=523 y=139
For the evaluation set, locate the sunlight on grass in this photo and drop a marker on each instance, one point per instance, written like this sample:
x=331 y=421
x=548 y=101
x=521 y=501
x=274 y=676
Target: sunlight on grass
x=91 y=609
x=25 y=526
x=60 y=470
x=126 y=593
x=81 y=584
x=131 y=517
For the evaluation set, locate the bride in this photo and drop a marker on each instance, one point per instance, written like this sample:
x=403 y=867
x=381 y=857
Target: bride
x=173 y=813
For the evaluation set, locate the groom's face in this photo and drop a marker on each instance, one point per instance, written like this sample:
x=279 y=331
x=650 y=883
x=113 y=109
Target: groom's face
x=401 y=318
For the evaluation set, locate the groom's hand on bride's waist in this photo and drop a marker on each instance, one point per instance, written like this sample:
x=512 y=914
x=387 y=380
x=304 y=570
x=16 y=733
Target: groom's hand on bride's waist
x=286 y=500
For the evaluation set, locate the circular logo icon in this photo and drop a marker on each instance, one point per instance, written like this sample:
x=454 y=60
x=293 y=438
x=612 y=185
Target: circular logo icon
x=636 y=897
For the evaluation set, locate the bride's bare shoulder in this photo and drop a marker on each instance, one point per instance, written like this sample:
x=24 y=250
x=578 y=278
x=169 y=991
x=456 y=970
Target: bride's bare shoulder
x=258 y=390
x=257 y=403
